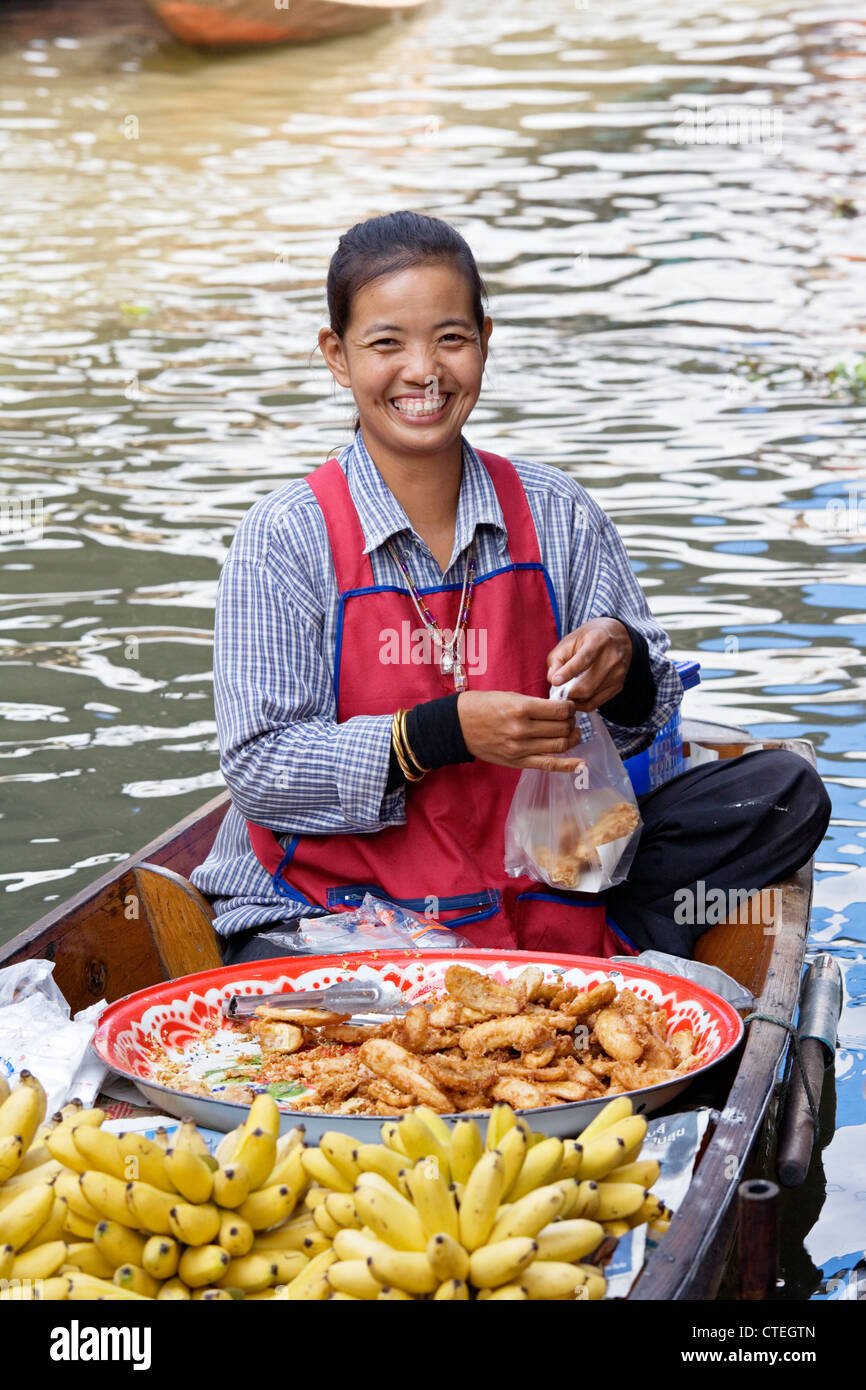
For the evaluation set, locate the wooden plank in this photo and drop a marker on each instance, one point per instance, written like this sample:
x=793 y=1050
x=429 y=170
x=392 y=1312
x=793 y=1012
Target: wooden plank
x=179 y=919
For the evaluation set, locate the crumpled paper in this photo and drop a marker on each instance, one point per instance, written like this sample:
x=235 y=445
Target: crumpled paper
x=38 y=1034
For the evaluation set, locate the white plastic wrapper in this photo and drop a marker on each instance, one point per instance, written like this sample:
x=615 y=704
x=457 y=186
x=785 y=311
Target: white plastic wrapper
x=575 y=830
x=37 y=1034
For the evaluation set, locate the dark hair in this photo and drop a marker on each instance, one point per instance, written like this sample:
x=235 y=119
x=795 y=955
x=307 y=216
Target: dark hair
x=383 y=245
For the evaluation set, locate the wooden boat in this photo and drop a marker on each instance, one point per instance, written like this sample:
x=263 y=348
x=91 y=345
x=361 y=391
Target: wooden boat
x=143 y=922
x=222 y=24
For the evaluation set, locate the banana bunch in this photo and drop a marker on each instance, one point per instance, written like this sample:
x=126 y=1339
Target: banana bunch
x=435 y=1213
x=86 y=1214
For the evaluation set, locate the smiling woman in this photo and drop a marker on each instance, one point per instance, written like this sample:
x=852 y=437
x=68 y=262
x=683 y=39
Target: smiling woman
x=359 y=764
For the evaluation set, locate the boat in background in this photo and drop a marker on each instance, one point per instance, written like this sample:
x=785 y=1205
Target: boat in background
x=143 y=922
x=227 y=24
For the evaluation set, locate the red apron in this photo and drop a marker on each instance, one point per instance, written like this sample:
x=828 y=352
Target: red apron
x=448 y=858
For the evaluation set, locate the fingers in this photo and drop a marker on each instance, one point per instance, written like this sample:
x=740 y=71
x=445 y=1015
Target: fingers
x=552 y=764
x=574 y=654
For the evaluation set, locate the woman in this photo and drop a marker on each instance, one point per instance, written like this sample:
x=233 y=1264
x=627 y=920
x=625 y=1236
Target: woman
x=387 y=631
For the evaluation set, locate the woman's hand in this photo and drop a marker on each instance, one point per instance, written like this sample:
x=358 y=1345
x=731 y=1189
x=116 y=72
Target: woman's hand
x=599 y=653
x=518 y=730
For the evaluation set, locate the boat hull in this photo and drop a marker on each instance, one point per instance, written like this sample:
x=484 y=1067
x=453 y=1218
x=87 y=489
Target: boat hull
x=228 y=24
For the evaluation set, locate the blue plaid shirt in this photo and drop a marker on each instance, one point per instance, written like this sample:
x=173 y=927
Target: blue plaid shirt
x=286 y=761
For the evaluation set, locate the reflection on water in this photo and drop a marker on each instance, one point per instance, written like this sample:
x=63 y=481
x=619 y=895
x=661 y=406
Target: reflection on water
x=665 y=205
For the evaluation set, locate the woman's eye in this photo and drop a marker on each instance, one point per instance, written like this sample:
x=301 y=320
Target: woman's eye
x=379 y=341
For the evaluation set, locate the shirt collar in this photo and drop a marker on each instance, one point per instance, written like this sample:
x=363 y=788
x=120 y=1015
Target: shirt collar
x=382 y=516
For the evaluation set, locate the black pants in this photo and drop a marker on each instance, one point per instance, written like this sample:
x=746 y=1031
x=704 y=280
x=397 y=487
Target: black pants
x=736 y=825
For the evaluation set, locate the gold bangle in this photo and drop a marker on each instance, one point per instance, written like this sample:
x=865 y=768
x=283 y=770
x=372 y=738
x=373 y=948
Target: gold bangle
x=404 y=757
x=407 y=747
x=397 y=746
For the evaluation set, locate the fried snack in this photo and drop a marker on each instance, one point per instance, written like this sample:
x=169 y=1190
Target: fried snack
x=576 y=850
x=479 y=992
x=531 y=1042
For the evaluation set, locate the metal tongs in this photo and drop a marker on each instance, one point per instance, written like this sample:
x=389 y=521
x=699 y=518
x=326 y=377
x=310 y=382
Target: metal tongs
x=345 y=997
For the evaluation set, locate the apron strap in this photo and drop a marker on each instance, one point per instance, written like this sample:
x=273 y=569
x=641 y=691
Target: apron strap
x=345 y=535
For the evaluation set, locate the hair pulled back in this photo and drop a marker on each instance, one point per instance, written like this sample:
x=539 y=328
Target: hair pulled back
x=387 y=244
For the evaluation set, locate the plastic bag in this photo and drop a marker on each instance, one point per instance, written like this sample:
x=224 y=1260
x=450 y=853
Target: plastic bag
x=375 y=926
x=36 y=1032
x=576 y=830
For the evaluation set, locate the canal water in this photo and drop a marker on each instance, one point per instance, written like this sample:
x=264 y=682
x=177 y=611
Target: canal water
x=668 y=204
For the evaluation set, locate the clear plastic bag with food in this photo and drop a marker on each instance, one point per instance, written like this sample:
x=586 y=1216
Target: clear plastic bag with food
x=375 y=926
x=575 y=830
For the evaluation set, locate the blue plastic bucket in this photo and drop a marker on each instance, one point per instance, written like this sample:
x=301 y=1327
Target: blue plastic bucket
x=664 y=757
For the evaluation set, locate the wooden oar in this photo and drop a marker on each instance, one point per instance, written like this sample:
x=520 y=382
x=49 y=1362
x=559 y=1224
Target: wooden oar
x=820 y=1006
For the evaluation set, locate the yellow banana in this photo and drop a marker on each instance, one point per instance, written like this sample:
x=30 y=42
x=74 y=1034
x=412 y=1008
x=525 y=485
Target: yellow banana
x=231 y=1185
x=203 y=1264
x=547 y=1279
x=391 y=1137
x=252 y=1272
x=502 y=1119
x=595 y=1287
x=109 y=1197
x=235 y=1234
x=419 y=1141
x=36 y=1155
x=582 y=1201
x=85 y=1115
x=227 y=1146
x=11 y=1154
x=492 y=1265
x=569 y=1241
x=389 y=1295
x=528 y=1215
x=651 y=1209
x=290 y=1236
x=435 y=1123
x=40 y=1263
x=23 y=1110
x=325 y=1222
x=339 y=1150
x=264 y=1114
x=540 y=1166
x=322 y=1171
x=340 y=1206
x=148 y=1208
x=289 y=1264
x=52 y=1229
x=68 y=1185
x=134 y=1279
x=174 y=1291
x=118 y=1244
x=391 y=1217
x=466 y=1149
x=481 y=1197
x=659 y=1228
x=74 y=1226
x=378 y=1158
x=101 y=1150
x=315 y=1197
x=256 y=1151
x=311 y=1283
x=616 y=1228
x=268 y=1206
x=314 y=1244
x=85 y=1288
x=448 y=1258
x=23 y=1217
x=617 y=1109
x=514 y=1147
x=194 y=1223
x=213 y=1296
x=144 y=1161
x=160 y=1257
x=619 y=1200
x=84 y=1256
x=290 y=1170
x=190 y=1174
x=353 y=1245
x=45 y=1173
x=507 y=1293
x=572 y=1155
x=62 y=1147
x=353 y=1276
x=434 y=1200
x=186 y=1136
x=452 y=1291
x=645 y=1171
x=4 y=1089
x=407 y=1269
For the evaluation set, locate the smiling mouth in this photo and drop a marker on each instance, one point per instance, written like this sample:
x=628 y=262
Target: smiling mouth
x=419 y=407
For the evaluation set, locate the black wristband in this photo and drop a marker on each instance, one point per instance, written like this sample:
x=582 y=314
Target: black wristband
x=435 y=738
x=634 y=703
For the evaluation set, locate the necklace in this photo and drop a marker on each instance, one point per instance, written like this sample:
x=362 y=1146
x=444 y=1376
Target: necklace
x=450 y=661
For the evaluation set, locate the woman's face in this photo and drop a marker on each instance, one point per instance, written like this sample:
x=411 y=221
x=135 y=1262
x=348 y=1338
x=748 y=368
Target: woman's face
x=413 y=358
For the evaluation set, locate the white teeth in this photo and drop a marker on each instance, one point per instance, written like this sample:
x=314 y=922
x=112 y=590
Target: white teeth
x=416 y=406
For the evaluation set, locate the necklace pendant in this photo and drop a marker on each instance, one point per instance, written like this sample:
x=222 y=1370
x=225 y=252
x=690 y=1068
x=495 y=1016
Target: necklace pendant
x=459 y=677
x=448 y=662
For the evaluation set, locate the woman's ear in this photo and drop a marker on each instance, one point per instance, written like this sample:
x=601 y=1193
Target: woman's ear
x=332 y=350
